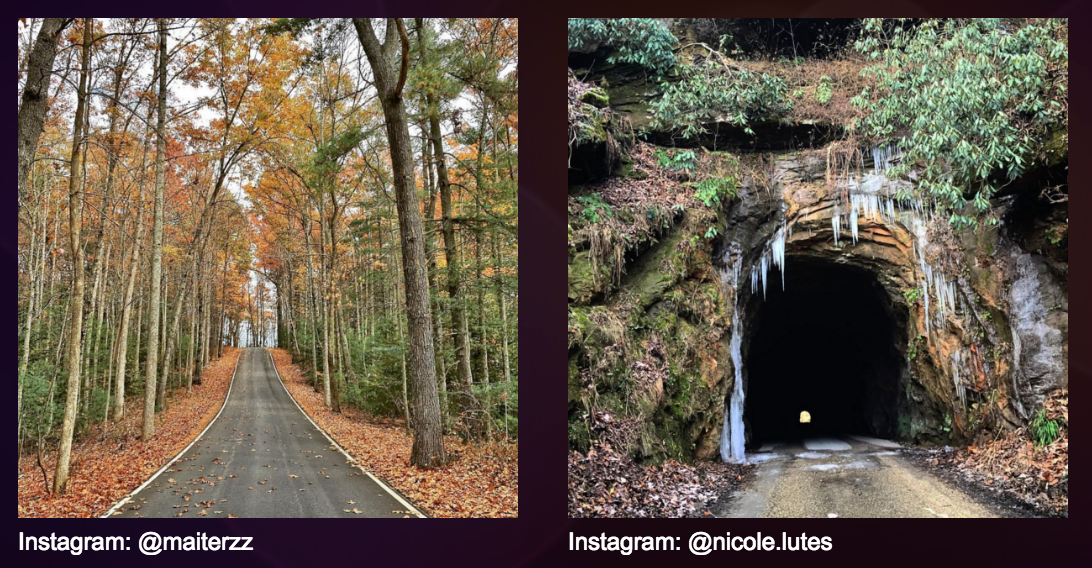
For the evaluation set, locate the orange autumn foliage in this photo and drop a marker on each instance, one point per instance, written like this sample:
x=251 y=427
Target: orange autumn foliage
x=111 y=460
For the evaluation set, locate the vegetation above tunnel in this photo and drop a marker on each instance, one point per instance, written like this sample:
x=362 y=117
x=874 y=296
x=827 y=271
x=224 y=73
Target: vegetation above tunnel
x=971 y=103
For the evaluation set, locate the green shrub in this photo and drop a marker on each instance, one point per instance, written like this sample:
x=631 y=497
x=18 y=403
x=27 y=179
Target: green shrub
x=1043 y=431
x=643 y=41
x=712 y=92
x=593 y=205
x=823 y=90
x=492 y=397
x=966 y=98
x=678 y=160
x=711 y=190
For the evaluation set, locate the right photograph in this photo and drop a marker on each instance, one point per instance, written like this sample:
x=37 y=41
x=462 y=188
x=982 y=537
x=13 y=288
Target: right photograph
x=818 y=267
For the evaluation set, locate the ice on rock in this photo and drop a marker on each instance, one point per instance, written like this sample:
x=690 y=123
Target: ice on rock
x=957 y=363
x=925 y=296
x=836 y=223
x=732 y=438
x=772 y=255
x=882 y=157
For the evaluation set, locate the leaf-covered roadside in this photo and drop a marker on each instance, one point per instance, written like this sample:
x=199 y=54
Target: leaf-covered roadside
x=1014 y=468
x=481 y=481
x=111 y=460
x=605 y=483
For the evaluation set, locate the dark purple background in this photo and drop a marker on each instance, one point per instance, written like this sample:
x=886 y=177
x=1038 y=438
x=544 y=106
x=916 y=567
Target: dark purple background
x=540 y=536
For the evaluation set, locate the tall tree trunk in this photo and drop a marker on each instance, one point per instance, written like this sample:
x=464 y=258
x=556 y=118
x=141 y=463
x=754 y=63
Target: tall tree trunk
x=123 y=329
x=35 y=98
x=433 y=285
x=479 y=183
x=323 y=282
x=31 y=279
x=75 y=225
x=314 y=308
x=194 y=310
x=459 y=323
x=148 y=426
x=428 y=444
x=206 y=336
x=504 y=326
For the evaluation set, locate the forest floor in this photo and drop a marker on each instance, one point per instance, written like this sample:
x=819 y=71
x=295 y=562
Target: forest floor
x=1011 y=469
x=605 y=483
x=481 y=481
x=110 y=461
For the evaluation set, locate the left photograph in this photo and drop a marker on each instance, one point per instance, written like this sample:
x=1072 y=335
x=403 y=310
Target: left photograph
x=268 y=267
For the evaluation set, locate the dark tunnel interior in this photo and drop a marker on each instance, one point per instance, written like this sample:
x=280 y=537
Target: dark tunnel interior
x=828 y=344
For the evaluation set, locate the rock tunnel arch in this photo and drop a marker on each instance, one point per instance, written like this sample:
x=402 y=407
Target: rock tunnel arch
x=831 y=343
x=827 y=325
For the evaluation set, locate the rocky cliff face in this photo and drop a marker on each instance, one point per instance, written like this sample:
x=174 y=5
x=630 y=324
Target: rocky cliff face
x=946 y=333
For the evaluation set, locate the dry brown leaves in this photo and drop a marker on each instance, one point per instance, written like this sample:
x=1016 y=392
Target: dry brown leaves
x=648 y=187
x=1013 y=464
x=481 y=481
x=802 y=79
x=110 y=460
x=605 y=483
x=661 y=188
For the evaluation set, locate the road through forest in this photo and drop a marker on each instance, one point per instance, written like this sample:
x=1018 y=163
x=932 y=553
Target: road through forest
x=262 y=457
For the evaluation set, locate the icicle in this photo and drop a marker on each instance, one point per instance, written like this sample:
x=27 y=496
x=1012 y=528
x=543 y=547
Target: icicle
x=836 y=223
x=732 y=436
x=725 y=438
x=765 y=269
x=925 y=294
x=882 y=156
x=957 y=362
x=853 y=222
x=778 y=250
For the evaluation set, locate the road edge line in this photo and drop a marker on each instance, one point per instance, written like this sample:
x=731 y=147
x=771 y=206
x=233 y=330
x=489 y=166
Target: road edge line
x=394 y=493
x=126 y=499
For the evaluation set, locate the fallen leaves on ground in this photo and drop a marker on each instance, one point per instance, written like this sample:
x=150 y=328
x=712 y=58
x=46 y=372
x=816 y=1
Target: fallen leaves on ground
x=481 y=481
x=1013 y=466
x=109 y=461
x=605 y=483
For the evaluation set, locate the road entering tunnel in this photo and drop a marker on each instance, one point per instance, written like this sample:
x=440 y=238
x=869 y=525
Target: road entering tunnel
x=827 y=345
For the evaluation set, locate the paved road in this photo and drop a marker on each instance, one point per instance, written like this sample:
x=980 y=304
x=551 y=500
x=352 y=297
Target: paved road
x=846 y=477
x=262 y=458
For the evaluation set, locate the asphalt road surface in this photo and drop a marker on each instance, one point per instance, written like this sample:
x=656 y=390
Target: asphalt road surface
x=844 y=477
x=262 y=457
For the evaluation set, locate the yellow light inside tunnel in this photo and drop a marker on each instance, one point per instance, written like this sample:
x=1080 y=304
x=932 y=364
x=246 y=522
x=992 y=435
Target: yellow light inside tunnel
x=805 y=417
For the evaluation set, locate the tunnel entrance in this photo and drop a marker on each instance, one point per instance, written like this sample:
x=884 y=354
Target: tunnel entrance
x=828 y=345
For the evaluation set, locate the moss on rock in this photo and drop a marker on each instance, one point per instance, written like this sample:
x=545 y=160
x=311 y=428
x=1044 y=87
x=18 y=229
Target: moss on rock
x=596 y=97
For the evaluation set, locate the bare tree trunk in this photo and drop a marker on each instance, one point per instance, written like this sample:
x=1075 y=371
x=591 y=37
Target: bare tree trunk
x=504 y=327
x=189 y=351
x=428 y=444
x=35 y=99
x=483 y=337
x=314 y=307
x=437 y=321
x=459 y=322
x=75 y=225
x=123 y=330
x=33 y=277
x=326 y=378
x=148 y=427
x=205 y=335
x=405 y=391
x=479 y=187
